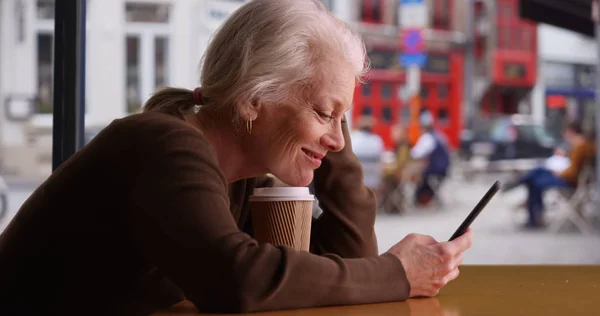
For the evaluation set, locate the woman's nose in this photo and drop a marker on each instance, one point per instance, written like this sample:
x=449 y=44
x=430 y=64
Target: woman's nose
x=334 y=141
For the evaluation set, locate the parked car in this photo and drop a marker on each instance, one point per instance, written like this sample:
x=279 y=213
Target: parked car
x=505 y=138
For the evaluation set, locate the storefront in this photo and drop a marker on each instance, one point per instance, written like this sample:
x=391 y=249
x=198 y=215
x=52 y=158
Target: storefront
x=569 y=95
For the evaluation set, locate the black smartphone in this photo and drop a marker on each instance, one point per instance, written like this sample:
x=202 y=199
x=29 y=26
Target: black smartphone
x=475 y=212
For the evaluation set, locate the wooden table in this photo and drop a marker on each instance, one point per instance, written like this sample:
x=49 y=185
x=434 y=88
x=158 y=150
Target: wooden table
x=482 y=290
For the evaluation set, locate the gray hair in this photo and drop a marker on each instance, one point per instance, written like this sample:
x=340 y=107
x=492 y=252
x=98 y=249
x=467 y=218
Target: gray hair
x=269 y=50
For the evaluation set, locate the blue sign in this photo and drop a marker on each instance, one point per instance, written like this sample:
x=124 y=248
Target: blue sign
x=412 y=41
x=418 y=60
x=411 y=2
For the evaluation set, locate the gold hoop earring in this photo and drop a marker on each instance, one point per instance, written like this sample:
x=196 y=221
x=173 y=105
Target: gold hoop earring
x=249 y=126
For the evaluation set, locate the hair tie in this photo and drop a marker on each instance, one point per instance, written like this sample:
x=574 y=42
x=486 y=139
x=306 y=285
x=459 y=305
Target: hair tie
x=197 y=96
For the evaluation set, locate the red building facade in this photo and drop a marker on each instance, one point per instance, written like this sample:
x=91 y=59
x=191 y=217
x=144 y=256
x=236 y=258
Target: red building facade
x=384 y=96
x=507 y=56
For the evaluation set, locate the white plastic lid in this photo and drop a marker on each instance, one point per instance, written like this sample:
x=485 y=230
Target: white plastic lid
x=282 y=194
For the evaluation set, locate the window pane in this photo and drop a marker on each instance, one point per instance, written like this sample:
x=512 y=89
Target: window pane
x=132 y=80
x=442 y=91
x=366 y=89
x=376 y=10
x=443 y=115
x=424 y=92
x=147 y=12
x=386 y=91
x=386 y=114
x=45 y=9
x=161 y=66
x=367 y=111
x=45 y=70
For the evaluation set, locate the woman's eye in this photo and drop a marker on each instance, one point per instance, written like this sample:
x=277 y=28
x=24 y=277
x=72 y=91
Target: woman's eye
x=325 y=116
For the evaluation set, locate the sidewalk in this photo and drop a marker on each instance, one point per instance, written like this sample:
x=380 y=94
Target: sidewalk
x=498 y=237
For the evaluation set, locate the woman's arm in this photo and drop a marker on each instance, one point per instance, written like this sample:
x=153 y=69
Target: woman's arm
x=346 y=226
x=182 y=225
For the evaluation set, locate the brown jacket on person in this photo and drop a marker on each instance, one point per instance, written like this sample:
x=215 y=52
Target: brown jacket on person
x=581 y=155
x=143 y=217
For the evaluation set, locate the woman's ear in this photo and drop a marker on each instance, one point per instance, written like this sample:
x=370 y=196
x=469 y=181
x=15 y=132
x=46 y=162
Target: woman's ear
x=249 y=111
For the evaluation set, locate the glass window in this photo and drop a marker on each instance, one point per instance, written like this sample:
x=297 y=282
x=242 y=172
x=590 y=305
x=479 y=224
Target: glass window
x=376 y=10
x=45 y=66
x=424 y=92
x=146 y=12
x=443 y=115
x=328 y=4
x=442 y=91
x=384 y=59
x=514 y=71
x=161 y=66
x=386 y=91
x=370 y=11
x=367 y=111
x=559 y=74
x=366 y=89
x=386 y=114
x=132 y=80
x=438 y=64
x=45 y=9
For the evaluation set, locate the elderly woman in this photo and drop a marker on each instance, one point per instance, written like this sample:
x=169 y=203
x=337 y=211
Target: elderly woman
x=154 y=209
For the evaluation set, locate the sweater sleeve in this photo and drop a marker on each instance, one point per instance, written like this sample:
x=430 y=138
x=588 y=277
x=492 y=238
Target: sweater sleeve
x=347 y=225
x=182 y=225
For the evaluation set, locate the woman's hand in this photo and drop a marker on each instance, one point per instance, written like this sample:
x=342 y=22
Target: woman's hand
x=430 y=265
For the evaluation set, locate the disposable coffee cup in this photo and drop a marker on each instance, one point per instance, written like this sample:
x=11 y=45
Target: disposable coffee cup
x=282 y=216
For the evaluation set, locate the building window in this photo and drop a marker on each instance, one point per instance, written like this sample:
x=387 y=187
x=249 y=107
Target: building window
x=147 y=12
x=441 y=14
x=366 y=111
x=386 y=91
x=161 y=46
x=132 y=82
x=366 y=90
x=442 y=91
x=45 y=9
x=386 y=114
x=443 y=116
x=45 y=66
x=424 y=92
x=559 y=75
x=328 y=4
x=370 y=11
x=147 y=53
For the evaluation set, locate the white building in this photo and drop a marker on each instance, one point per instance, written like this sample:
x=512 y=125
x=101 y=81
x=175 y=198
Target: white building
x=133 y=48
x=566 y=78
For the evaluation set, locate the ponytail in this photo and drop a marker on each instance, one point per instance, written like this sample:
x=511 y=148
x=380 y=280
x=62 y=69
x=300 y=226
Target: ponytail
x=171 y=100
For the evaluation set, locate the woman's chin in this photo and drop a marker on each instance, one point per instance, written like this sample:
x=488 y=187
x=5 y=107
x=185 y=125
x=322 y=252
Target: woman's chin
x=297 y=180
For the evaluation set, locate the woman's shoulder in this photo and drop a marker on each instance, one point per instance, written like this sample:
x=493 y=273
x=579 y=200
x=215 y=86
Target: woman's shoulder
x=155 y=132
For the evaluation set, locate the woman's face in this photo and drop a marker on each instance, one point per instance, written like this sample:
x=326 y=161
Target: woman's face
x=291 y=139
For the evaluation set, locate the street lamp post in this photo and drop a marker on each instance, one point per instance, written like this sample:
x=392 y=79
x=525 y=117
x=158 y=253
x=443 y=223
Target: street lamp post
x=596 y=18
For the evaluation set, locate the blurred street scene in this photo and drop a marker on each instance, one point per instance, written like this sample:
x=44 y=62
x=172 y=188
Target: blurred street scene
x=495 y=93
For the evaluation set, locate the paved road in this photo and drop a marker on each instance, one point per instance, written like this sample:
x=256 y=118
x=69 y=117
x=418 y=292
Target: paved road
x=498 y=240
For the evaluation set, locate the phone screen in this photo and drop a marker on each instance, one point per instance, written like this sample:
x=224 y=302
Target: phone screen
x=475 y=212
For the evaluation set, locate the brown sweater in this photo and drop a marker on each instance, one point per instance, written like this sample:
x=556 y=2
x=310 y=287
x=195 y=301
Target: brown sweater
x=581 y=155
x=143 y=216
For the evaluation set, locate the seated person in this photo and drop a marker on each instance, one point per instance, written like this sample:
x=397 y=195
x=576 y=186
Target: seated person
x=558 y=162
x=540 y=179
x=368 y=148
x=394 y=171
x=154 y=209
x=432 y=146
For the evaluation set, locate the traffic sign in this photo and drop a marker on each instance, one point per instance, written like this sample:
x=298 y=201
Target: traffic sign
x=413 y=14
x=412 y=41
x=418 y=60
